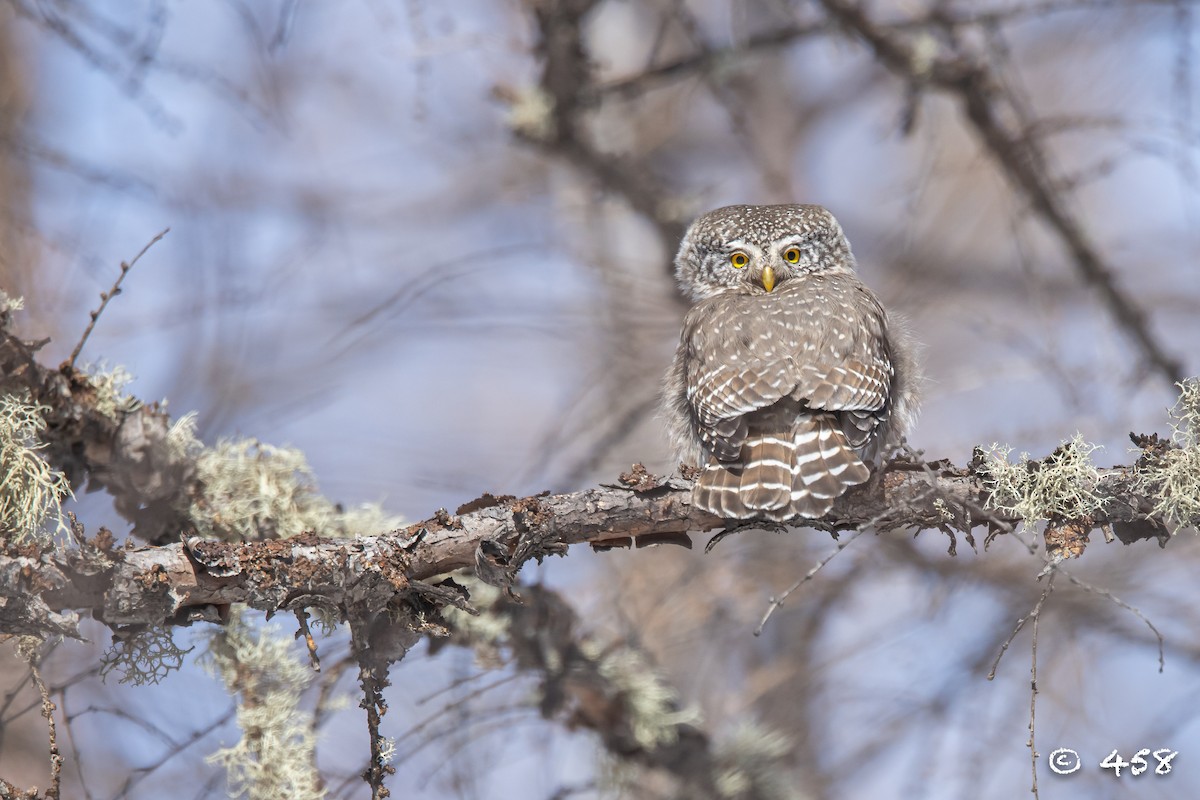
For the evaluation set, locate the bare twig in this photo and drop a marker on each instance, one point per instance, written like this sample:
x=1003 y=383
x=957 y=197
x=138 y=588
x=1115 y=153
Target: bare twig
x=1087 y=587
x=16 y=691
x=703 y=61
x=139 y=774
x=48 y=708
x=306 y=634
x=440 y=715
x=567 y=79
x=324 y=707
x=776 y=602
x=112 y=65
x=1020 y=624
x=76 y=751
x=110 y=294
x=1035 y=615
x=458 y=683
x=1033 y=687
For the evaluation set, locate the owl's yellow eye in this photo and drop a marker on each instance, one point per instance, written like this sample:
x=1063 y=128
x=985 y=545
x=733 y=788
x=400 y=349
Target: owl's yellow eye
x=739 y=260
x=792 y=255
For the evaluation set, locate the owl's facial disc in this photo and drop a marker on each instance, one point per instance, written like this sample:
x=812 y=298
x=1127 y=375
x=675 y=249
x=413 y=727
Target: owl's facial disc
x=768 y=278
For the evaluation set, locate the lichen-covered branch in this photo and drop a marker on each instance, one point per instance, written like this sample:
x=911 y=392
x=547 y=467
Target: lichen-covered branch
x=197 y=578
x=161 y=478
x=611 y=689
x=95 y=435
x=369 y=575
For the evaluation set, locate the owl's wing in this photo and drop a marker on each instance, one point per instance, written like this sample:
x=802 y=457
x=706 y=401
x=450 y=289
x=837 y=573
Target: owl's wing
x=726 y=377
x=858 y=392
x=849 y=370
x=825 y=348
x=852 y=385
x=723 y=395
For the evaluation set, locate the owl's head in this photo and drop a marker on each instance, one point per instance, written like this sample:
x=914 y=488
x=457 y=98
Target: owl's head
x=756 y=249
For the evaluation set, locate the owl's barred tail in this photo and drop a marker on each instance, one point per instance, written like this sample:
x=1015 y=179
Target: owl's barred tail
x=785 y=476
x=825 y=466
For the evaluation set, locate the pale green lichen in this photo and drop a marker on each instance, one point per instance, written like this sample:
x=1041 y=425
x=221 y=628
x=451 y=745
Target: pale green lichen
x=275 y=756
x=1170 y=478
x=652 y=704
x=943 y=510
x=8 y=303
x=387 y=749
x=182 y=441
x=30 y=648
x=31 y=491
x=253 y=490
x=487 y=630
x=531 y=113
x=752 y=763
x=1061 y=486
x=109 y=383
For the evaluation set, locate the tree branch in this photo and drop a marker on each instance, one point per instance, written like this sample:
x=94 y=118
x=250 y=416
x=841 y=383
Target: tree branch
x=611 y=688
x=197 y=578
x=1023 y=162
x=122 y=450
x=566 y=80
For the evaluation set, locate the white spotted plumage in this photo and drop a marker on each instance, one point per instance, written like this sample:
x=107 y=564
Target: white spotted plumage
x=785 y=382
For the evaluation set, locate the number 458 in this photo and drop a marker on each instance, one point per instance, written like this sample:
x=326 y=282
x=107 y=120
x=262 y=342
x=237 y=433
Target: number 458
x=1137 y=765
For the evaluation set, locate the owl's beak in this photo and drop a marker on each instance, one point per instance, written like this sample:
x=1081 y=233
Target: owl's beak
x=768 y=278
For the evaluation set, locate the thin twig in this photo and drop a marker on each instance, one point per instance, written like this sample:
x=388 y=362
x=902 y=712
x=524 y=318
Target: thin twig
x=323 y=708
x=1021 y=624
x=138 y=774
x=1033 y=690
x=110 y=294
x=1087 y=587
x=776 y=602
x=458 y=683
x=48 y=708
x=1035 y=615
x=567 y=78
x=458 y=703
x=302 y=619
x=507 y=714
x=72 y=742
x=11 y=696
x=632 y=86
x=927 y=492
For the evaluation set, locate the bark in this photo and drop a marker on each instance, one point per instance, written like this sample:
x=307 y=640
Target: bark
x=197 y=578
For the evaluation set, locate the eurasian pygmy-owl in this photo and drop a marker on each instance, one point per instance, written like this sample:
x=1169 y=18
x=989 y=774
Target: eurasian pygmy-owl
x=789 y=375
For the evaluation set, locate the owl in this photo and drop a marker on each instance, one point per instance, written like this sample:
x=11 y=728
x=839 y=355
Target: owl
x=789 y=376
